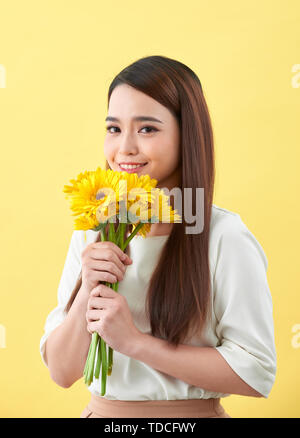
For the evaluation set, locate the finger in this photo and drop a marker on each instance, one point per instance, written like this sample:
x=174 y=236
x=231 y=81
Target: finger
x=97 y=276
x=108 y=256
x=110 y=267
x=99 y=302
x=110 y=247
x=92 y=315
x=93 y=326
x=103 y=291
x=93 y=303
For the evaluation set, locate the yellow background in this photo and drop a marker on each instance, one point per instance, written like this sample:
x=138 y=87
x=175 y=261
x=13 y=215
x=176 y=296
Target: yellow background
x=60 y=58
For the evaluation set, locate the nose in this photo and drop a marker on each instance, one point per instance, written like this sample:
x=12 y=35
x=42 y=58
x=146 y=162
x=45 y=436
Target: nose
x=127 y=144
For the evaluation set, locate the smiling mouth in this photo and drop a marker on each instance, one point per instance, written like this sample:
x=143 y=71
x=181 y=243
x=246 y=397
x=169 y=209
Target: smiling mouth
x=131 y=166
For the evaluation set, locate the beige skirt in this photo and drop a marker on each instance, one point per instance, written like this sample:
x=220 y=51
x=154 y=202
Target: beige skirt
x=100 y=407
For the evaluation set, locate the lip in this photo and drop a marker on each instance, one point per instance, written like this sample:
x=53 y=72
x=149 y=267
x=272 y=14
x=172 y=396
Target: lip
x=136 y=170
x=129 y=162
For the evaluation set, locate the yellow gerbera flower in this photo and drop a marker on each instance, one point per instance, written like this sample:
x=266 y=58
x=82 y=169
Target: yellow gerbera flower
x=87 y=197
x=96 y=197
x=157 y=210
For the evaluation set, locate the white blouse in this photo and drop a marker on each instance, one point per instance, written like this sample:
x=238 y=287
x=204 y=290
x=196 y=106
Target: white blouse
x=241 y=328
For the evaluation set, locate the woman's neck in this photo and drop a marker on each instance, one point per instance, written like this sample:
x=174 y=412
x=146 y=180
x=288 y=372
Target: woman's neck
x=157 y=229
x=160 y=229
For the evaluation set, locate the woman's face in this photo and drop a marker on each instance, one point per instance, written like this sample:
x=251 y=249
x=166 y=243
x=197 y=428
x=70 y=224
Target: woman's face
x=156 y=143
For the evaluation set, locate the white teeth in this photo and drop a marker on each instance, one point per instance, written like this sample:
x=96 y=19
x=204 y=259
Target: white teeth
x=131 y=166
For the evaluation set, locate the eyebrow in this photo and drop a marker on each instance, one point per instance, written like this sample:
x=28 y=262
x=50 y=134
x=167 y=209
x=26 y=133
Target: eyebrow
x=138 y=118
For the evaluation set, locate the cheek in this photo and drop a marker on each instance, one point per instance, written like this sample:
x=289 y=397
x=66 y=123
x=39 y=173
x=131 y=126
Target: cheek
x=166 y=153
x=164 y=160
x=159 y=148
x=109 y=152
x=106 y=149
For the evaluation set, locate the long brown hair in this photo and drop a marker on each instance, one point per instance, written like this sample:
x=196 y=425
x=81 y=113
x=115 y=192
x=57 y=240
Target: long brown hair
x=179 y=291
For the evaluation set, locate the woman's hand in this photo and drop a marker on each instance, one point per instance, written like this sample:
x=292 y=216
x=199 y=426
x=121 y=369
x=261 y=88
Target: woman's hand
x=109 y=315
x=103 y=261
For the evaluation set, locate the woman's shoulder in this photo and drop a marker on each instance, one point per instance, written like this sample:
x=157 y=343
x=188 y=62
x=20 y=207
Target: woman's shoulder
x=81 y=238
x=224 y=220
x=229 y=231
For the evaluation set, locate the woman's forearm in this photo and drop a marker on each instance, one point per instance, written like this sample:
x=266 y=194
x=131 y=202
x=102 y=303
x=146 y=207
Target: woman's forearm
x=204 y=367
x=67 y=346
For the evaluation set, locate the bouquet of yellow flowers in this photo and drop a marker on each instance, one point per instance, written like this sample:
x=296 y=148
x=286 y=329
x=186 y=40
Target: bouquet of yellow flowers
x=98 y=198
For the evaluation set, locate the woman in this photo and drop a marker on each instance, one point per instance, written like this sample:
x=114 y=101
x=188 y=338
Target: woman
x=192 y=320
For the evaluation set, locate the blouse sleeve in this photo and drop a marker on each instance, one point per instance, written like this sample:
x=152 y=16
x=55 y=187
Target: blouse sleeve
x=243 y=308
x=70 y=273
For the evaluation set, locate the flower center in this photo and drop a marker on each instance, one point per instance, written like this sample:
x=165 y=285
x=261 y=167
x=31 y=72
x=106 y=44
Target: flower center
x=100 y=195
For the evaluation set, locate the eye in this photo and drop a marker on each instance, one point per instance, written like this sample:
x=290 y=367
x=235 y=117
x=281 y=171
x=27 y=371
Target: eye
x=111 y=126
x=150 y=127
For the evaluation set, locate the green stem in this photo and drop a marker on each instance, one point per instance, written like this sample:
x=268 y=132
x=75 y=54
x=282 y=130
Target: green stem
x=87 y=364
x=87 y=360
x=104 y=367
x=98 y=364
x=89 y=370
x=110 y=350
x=110 y=360
x=103 y=236
x=95 y=337
x=116 y=237
x=120 y=234
x=136 y=230
x=111 y=232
